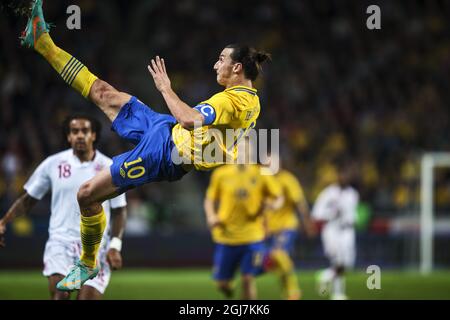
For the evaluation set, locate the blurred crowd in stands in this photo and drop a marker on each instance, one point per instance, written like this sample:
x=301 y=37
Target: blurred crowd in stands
x=334 y=87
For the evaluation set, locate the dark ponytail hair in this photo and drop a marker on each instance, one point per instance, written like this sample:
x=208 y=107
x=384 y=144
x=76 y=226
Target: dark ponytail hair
x=250 y=58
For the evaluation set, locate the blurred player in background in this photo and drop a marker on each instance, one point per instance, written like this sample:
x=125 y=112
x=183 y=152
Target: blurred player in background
x=155 y=135
x=336 y=209
x=63 y=173
x=234 y=206
x=282 y=227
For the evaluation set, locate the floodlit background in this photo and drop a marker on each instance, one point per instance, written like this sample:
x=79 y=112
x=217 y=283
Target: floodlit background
x=333 y=88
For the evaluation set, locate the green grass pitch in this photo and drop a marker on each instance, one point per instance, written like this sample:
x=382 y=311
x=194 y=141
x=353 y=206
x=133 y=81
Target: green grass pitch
x=193 y=284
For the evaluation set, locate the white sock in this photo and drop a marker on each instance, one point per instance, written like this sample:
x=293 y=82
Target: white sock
x=327 y=275
x=339 y=286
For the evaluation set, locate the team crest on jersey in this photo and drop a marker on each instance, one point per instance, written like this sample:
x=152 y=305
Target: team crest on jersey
x=98 y=167
x=122 y=173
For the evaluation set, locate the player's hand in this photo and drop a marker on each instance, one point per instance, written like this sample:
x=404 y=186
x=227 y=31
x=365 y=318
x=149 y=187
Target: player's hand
x=310 y=230
x=214 y=222
x=157 y=69
x=2 y=234
x=114 y=259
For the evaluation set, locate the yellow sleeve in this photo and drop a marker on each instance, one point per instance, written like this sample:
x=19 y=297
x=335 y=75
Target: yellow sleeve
x=223 y=108
x=294 y=189
x=212 y=192
x=273 y=187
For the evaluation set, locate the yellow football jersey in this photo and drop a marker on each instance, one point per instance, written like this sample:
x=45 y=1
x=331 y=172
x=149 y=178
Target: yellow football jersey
x=240 y=191
x=286 y=218
x=235 y=109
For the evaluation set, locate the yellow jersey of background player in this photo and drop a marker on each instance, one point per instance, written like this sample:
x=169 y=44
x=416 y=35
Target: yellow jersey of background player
x=234 y=205
x=286 y=218
x=240 y=191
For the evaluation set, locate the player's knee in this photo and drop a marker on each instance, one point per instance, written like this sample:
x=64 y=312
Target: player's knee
x=103 y=93
x=100 y=87
x=84 y=195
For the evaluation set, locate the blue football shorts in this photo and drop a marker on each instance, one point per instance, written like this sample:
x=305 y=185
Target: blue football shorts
x=150 y=160
x=228 y=258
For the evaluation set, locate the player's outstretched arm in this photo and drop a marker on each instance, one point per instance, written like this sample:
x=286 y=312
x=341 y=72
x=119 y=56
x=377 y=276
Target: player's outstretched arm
x=186 y=116
x=21 y=206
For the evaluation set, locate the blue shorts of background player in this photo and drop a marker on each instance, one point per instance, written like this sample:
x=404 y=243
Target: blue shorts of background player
x=150 y=160
x=284 y=240
x=228 y=258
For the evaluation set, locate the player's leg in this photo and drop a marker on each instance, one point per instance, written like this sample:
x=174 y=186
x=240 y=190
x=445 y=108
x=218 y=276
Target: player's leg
x=95 y=191
x=128 y=170
x=252 y=264
x=293 y=291
x=324 y=278
x=226 y=287
x=282 y=264
x=56 y=294
x=72 y=71
x=107 y=98
x=89 y=293
x=249 y=291
x=93 y=223
x=94 y=289
x=345 y=258
x=93 y=218
x=225 y=262
x=339 y=283
x=57 y=261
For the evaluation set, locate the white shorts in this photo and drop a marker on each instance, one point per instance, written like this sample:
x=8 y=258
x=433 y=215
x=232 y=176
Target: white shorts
x=339 y=246
x=60 y=256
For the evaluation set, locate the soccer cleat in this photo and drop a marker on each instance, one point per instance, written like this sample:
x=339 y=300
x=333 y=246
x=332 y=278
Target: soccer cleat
x=322 y=285
x=79 y=274
x=36 y=26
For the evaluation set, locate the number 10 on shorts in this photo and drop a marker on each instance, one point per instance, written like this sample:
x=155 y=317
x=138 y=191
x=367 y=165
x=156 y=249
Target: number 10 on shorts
x=133 y=170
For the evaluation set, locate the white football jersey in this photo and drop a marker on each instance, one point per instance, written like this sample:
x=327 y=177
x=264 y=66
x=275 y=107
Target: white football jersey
x=336 y=205
x=63 y=173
